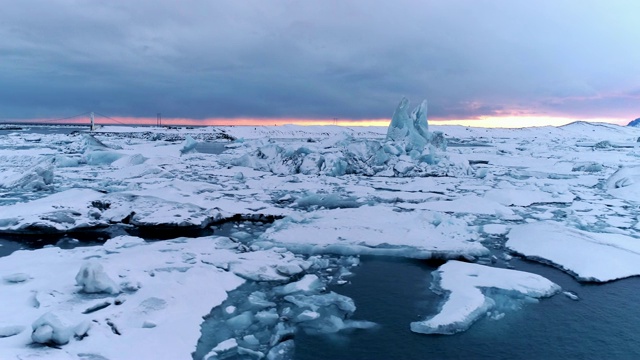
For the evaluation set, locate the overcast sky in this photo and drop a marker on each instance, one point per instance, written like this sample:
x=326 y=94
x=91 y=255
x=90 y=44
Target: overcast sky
x=319 y=59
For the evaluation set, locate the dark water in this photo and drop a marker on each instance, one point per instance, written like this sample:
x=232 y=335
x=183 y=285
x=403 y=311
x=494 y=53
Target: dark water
x=53 y=129
x=7 y=247
x=603 y=324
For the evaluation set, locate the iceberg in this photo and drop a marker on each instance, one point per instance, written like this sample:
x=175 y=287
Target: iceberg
x=410 y=130
x=408 y=150
x=468 y=297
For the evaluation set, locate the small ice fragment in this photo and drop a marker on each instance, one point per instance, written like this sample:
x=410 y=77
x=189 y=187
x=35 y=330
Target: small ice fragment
x=81 y=330
x=148 y=324
x=289 y=269
x=230 y=309
x=97 y=307
x=240 y=322
x=224 y=349
x=258 y=300
x=571 y=295
x=307 y=315
x=251 y=340
x=267 y=317
x=308 y=283
x=250 y=354
x=282 y=351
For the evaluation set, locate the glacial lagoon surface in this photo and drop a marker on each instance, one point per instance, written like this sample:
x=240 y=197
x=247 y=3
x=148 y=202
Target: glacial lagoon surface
x=291 y=242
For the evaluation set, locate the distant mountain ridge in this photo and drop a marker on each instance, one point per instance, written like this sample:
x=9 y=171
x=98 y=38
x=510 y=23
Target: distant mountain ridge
x=634 y=123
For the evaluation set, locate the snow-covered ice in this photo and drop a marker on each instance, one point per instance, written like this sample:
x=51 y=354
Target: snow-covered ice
x=377 y=230
x=589 y=256
x=467 y=300
x=315 y=196
x=165 y=286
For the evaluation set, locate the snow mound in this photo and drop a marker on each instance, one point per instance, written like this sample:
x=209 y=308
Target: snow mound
x=51 y=328
x=94 y=279
x=588 y=256
x=474 y=290
x=625 y=183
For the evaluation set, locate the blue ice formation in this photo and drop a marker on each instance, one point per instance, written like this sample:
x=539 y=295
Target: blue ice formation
x=410 y=129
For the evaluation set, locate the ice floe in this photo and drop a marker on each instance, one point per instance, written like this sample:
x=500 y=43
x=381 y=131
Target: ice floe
x=469 y=289
x=378 y=230
x=589 y=256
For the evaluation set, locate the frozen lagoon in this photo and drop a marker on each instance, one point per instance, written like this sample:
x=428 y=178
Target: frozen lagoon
x=475 y=195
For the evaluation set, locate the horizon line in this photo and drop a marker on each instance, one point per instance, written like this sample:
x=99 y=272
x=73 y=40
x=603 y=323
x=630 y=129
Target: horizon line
x=483 y=121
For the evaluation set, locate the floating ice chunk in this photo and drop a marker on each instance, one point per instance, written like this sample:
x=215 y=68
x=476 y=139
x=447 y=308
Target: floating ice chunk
x=241 y=322
x=588 y=256
x=289 y=269
x=308 y=283
x=93 y=279
x=315 y=302
x=307 y=315
x=495 y=229
x=250 y=354
x=225 y=349
x=258 y=300
x=571 y=295
x=267 y=317
x=282 y=351
x=466 y=302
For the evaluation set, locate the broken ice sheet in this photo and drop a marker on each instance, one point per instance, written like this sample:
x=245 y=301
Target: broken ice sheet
x=172 y=292
x=375 y=230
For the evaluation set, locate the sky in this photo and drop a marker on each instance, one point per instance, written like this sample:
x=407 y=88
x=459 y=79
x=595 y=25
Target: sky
x=500 y=62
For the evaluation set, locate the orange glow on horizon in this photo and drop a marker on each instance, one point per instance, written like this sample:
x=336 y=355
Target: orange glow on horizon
x=483 y=121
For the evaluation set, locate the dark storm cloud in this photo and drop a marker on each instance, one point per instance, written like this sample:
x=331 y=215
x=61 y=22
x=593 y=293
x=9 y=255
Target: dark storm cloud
x=318 y=59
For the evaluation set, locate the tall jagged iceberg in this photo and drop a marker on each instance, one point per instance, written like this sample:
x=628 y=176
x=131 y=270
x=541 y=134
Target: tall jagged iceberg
x=410 y=129
x=409 y=149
